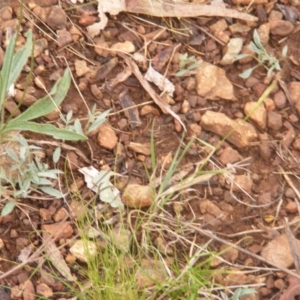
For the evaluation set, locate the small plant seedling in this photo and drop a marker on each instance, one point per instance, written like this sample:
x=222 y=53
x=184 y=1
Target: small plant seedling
x=11 y=70
x=239 y=293
x=186 y=63
x=27 y=172
x=263 y=58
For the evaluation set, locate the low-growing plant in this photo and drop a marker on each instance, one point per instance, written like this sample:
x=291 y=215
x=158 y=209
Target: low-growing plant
x=239 y=293
x=11 y=70
x=95 y=119
x=27 y=172
x=270 y=62
x=32 y=175
x=186 y=64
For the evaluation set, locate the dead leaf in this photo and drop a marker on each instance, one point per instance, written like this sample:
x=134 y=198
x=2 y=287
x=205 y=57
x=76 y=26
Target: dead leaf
x=122 y=76
x=161 y=8
x=130 y=108
x=56 y=257
x=163 y=83
x=156 y=98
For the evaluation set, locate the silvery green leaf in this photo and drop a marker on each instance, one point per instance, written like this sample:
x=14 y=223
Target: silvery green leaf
x=240 y=56
x=98 y=181
x=242 y=292
x=69 y=116
x=246 y=73
x=255 y=49
x=285 y=51
x=270 y=70
x=8 y=208
x=12 y=155
x=277 y=66
x=44 y=181
x=224 y=296
x=100 y=120
x=35 y=179
x=47 y=175
x=257 y=41
x=194 y=66
x=56 y=154
x=51 y=191
x=181 y=73
x=78 y=127
x=24 y=153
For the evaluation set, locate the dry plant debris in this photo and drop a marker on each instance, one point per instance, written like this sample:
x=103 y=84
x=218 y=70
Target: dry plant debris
x=189 y=176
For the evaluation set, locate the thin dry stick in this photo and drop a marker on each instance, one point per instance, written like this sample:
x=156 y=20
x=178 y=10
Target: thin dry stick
x=216 y=238
x=290 y=183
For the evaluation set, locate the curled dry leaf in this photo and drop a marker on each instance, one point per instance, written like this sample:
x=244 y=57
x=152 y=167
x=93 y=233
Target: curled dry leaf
x=56 y=257
x=160 y=8
x=145 y=84
x=162 y=82
x=130 y=108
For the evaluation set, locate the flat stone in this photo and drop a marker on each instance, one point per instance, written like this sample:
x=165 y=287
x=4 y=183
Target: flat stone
x=194 y=130
x=281 y=27
x=289 y=137
x=233 y=48
x=280 y=99
x=149 y=109
x=239 y=28
x=137 y=196
x=64 y=38
x=107 y=137
x=213 y=84
x=274 y=120
x=39 y=46
x=59 y=230
x=84 y=250
x=294 y=90
x=208 y=207
x=221 y=125
x=81 y=67
x=44 y=290
x=257 y=115
x=6 y=13
x=278 y=252
x=101 y=47
x=57 y=18
x=242 y=183
x=269 y=104
x=229 y=155
x=149 y=273
x=28 y=290
x=264 y=33
x=144 y=148
x=125 y=47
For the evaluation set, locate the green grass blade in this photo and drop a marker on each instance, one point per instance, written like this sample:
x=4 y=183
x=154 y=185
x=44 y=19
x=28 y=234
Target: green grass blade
x=20 y=59
x=6 y=69
x=45 y=105
x=48 y=129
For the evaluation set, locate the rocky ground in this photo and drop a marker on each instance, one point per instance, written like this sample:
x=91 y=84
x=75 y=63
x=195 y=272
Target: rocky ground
x=244 y=132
